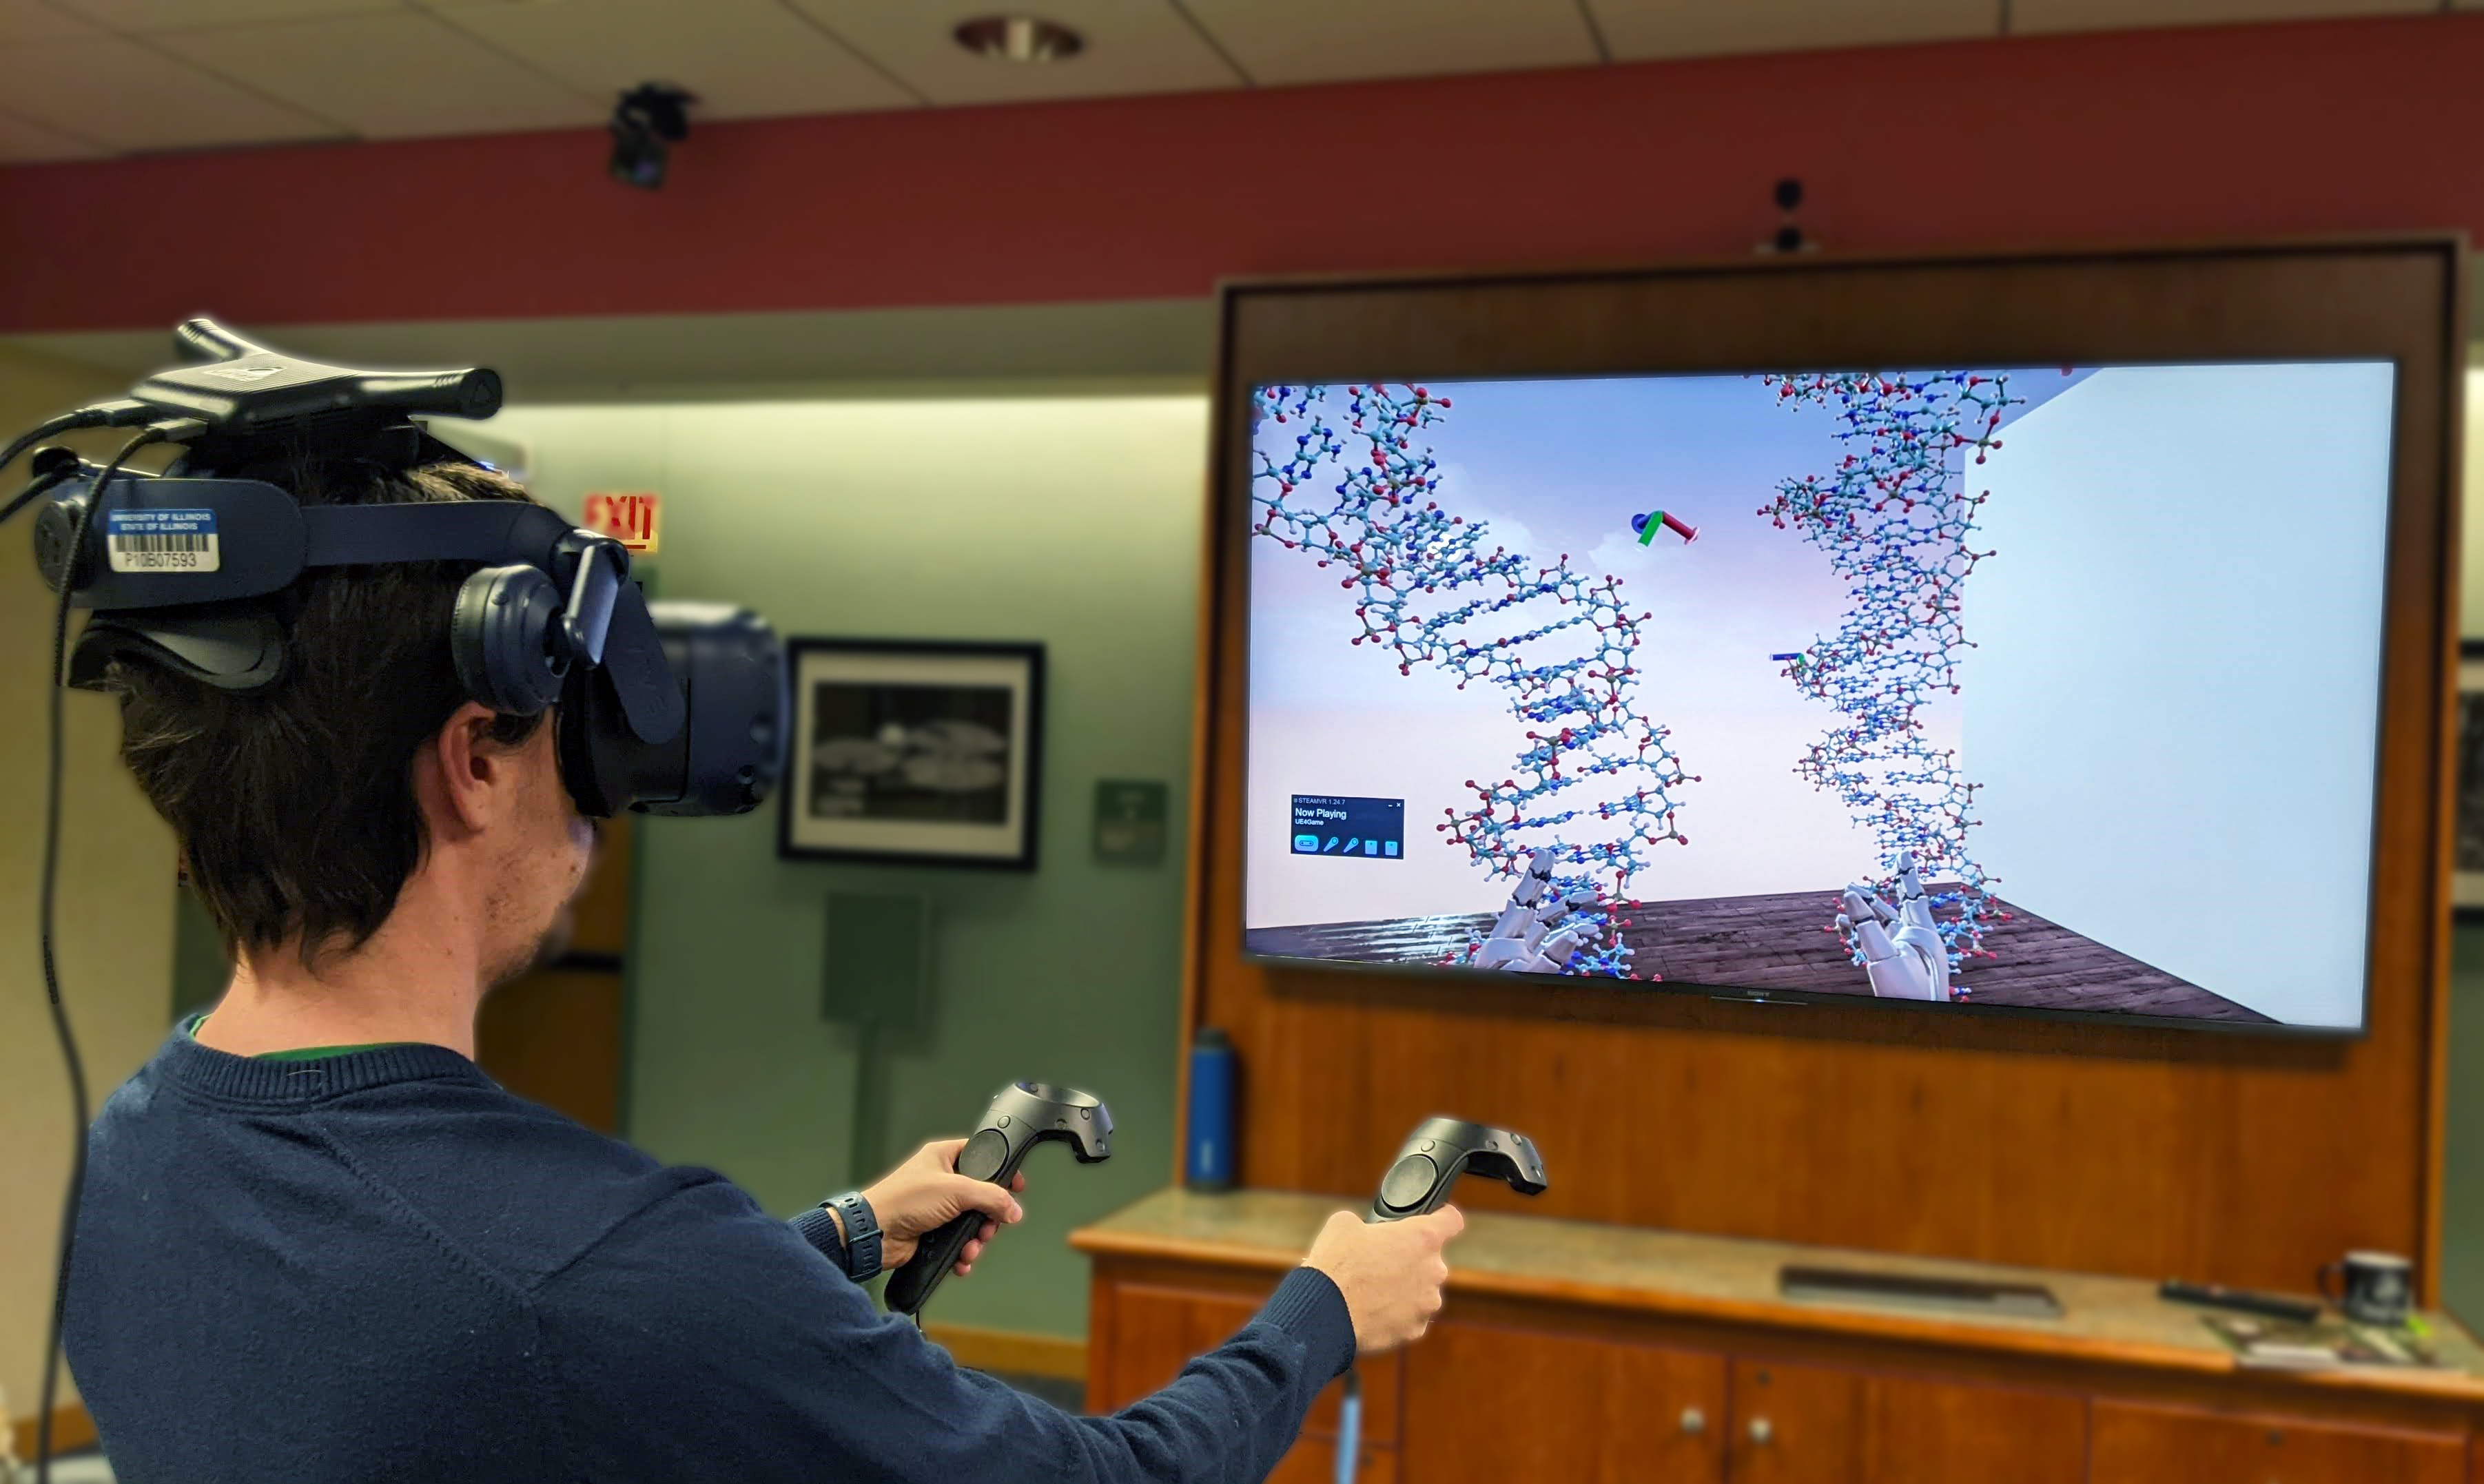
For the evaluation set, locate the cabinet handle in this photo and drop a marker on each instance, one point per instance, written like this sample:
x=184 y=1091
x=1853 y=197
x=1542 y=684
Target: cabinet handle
x=1694 y=1421
x=1761 y=1431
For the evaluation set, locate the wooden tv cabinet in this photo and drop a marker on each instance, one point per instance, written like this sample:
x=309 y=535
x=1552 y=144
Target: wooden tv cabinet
x=1580 y=1351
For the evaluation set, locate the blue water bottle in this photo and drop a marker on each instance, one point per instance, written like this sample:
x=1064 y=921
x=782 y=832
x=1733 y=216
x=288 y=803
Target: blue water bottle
x=1210 y=1162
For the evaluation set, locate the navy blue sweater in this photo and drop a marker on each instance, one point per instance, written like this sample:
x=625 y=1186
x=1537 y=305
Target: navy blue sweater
x=381 y=1266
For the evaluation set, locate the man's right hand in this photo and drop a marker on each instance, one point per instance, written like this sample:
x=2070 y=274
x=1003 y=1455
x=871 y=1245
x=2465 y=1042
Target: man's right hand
x=1391 y=1272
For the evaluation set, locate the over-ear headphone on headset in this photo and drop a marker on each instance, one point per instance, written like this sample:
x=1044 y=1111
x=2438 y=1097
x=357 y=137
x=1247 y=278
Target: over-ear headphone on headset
x=502 y=633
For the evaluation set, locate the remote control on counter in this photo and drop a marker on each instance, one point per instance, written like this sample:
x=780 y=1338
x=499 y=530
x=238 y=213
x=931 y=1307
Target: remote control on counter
x=2219 y=1296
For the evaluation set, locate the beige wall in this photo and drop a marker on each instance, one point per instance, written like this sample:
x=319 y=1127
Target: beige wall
x=116 y=907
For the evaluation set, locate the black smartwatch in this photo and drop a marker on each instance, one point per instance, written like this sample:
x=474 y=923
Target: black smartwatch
x=859 y=1244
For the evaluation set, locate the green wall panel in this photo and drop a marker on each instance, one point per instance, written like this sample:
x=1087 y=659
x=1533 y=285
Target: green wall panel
x=2461 y=1253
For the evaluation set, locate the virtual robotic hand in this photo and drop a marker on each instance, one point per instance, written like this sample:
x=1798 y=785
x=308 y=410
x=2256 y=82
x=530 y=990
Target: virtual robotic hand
x=1535 y=933
x=1910 y=963
x=1022 y=1116
x=1441 y=1149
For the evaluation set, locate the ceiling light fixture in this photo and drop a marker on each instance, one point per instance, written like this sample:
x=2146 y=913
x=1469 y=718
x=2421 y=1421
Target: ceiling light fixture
x=1019 y=39
x=650 y=119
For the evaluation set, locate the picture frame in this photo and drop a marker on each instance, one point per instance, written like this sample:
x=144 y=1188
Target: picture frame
x=919 y=751
x=2467 y=789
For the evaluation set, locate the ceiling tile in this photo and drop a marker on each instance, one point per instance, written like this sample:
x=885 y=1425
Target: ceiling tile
x=2032 y=17
x=22 y=142
x=124 y=96
x=744 y=58
x=390 y=75
x=1132 y=47
x=1641 y=30
x=32 y=20
x=1320 y=41
x=145 y=16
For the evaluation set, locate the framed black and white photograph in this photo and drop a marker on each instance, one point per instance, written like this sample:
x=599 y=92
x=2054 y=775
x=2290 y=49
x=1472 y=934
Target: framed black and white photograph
x=2467 y=866
x=914 y=750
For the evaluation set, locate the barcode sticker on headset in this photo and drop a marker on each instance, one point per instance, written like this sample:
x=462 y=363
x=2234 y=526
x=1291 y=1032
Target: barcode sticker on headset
x=161 y=540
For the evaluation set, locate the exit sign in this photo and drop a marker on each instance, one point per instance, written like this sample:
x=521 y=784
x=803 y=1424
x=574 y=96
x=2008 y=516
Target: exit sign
x=630 y=517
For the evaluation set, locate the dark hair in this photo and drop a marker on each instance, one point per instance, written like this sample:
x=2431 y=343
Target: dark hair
x=294 y=805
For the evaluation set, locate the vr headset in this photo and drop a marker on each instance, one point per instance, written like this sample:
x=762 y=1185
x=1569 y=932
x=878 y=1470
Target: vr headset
x=663 y=708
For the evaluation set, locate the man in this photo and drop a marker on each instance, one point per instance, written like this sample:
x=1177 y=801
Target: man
x=318 y=1244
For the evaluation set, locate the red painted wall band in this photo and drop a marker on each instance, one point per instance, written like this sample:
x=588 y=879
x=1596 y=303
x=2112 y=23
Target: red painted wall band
x=2365 y=124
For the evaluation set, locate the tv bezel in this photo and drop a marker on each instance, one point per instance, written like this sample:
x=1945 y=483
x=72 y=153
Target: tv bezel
x=1288 y=331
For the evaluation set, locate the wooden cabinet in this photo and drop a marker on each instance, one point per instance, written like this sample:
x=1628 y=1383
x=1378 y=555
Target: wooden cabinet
x=1154 y=1334
x=1604 y=1354
x=1314 y=1461
x=2136 y=1443
x=1817 y=1424
x=1485 y=1402
x=1149 y=1332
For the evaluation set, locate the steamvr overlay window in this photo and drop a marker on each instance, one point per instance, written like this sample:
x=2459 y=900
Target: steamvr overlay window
x=1358 y=829
x=2051 y=688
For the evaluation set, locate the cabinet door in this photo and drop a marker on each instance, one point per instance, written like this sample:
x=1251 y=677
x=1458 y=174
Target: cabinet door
x=1154 y=1333
x=1146 y=1333
x=1484 y=1403
x=1314 y=1461
x=1819 y=1424
x=2143 y=1444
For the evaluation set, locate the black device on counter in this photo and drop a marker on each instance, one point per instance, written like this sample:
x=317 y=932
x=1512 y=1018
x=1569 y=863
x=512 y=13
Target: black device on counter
x=1441 y=1149
x=1022 y=1116
x=2273 y=1306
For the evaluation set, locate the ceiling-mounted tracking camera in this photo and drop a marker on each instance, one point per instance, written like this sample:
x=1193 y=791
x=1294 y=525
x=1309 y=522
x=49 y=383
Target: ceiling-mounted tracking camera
x=663 y=708
x=1790 y=237
x=650 y=119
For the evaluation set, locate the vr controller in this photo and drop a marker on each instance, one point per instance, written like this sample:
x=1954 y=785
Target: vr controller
x=664 y=708
x=1417 y=1183
x=1441 y=1149
x=1022 y=1116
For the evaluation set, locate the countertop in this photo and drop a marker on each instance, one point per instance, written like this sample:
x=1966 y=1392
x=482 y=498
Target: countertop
x=2110 y=1320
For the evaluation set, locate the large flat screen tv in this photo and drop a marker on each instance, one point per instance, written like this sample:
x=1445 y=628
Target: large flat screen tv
x=1960 y=682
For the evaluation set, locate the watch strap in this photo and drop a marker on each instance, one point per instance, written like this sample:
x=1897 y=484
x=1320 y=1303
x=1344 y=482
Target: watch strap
x=862 y=1244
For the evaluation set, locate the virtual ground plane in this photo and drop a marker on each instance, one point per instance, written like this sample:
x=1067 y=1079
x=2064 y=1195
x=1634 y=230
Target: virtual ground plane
x=1774 y=942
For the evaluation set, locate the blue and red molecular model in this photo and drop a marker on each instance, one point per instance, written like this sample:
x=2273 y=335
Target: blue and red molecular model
x=1565 y=664
x=1896 y=521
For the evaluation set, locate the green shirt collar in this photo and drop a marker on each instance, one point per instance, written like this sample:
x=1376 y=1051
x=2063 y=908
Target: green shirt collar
x=190 y=1028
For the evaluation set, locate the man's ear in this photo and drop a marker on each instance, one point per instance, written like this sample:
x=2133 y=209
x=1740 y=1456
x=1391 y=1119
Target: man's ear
x=472 y=776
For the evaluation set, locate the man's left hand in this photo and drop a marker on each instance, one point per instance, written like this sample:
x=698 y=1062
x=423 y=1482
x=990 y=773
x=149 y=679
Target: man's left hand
x=927 y=1193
